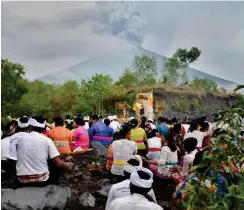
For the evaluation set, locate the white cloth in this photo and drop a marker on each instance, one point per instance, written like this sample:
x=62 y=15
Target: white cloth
x=186 y=127
x=34 y=123
x=123 y=150
x=166 y=156
x=130 y=168
x=122 y=189
x=115 y=125
x=23 y=125
x=133 y=202
x=154 y=142
x=86 y=126
x=197 y=135
x=33 y=151
x=5 y=146
x=137 y=181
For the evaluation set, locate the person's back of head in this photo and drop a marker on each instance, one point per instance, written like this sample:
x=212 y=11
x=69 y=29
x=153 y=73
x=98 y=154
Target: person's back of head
x=205 y=127
x=171 y=142
x=37 y=124
x=152 y=133
x=94 y=118
x=194 y=125
x=125 y=132
x=79 y=121
x=176 y=129
x=143 y=122
x=141 y=181
x=190 y=144
x=130 y=166
x=23 y=124
x=59 y=121
x=162 y=119
x=174 y=120
x=100 y=117
x=107 y=122
x=134 y=123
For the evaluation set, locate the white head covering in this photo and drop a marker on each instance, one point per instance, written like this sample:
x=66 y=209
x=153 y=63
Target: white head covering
x=137 y=181
x=23 y=125
x=115 y=117
x=130 y=168
x=86 y=118
x=34 y=123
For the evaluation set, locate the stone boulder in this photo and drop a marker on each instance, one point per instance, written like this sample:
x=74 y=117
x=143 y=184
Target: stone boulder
x=104 y=185
x=32 y=198
x=87 y=200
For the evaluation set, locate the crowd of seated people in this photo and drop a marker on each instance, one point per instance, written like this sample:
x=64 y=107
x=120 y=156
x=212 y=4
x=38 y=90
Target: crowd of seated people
x=31 y=150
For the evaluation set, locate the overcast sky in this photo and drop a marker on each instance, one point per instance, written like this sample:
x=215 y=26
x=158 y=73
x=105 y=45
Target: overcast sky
x=50 y=36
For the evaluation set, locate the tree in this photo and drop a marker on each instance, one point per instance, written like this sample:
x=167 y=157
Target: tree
x=128 y=79
x=145 y=69
x=13 y=83
x=207 y=85
x=180 y=60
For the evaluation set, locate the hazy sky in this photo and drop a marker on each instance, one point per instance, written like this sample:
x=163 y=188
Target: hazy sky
x=50 y=36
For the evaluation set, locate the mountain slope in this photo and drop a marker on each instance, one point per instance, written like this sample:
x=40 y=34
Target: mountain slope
x=114 y=64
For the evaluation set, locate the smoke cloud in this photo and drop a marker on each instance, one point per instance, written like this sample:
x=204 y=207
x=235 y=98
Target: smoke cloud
x=127 y=21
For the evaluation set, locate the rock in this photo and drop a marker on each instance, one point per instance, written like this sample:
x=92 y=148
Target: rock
x=87 y=200
x=69 y=158
x=86 y=176
x=32 y=198
x=105 y=186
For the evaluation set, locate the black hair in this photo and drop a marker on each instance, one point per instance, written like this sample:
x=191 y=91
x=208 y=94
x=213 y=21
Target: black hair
x=117 y=136
x=140 y=190
x=58 y=121
x=124 y=131
x=152 y=133
x=161 y=119
x=190 y=144
x=132 y=162
x=79 y=121
x=23 y=120
x=41 y=120
x=176 y=129
x=67 y=117
x=194 y=125
x=95 y=117
x=205 y=126
x=143 y=122
x=100 y=117
x=107 y=122
x=174 y=120
x=171 y=142
x=134 y=123
x=169 y=122
x=199 y=159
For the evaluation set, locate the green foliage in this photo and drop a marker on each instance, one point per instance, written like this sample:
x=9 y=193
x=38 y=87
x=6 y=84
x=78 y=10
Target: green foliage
x=223 y=155
x=145 y=69
x=184 y=78
x=128 y=79
x=185 y=105
x=208 y=86
x=13 y=83
x=180 y=60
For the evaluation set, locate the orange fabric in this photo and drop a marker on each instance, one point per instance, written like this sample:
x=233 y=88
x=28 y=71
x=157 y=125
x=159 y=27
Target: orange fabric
x=110 y=158
x=62 y=139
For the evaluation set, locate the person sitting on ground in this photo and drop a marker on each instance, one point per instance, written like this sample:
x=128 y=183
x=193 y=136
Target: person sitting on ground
x=195 y=133
x=80 y=135
x=139 y=136
x=140 y=184
x=154 y=145
x=61 y=136
x=110 y=131
x=162 y=127
x=97 y=132
x=190 y=149
x=8 y=166
x=168 y=159
x=32 y=153
x=122 y=189
x=122 y=150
